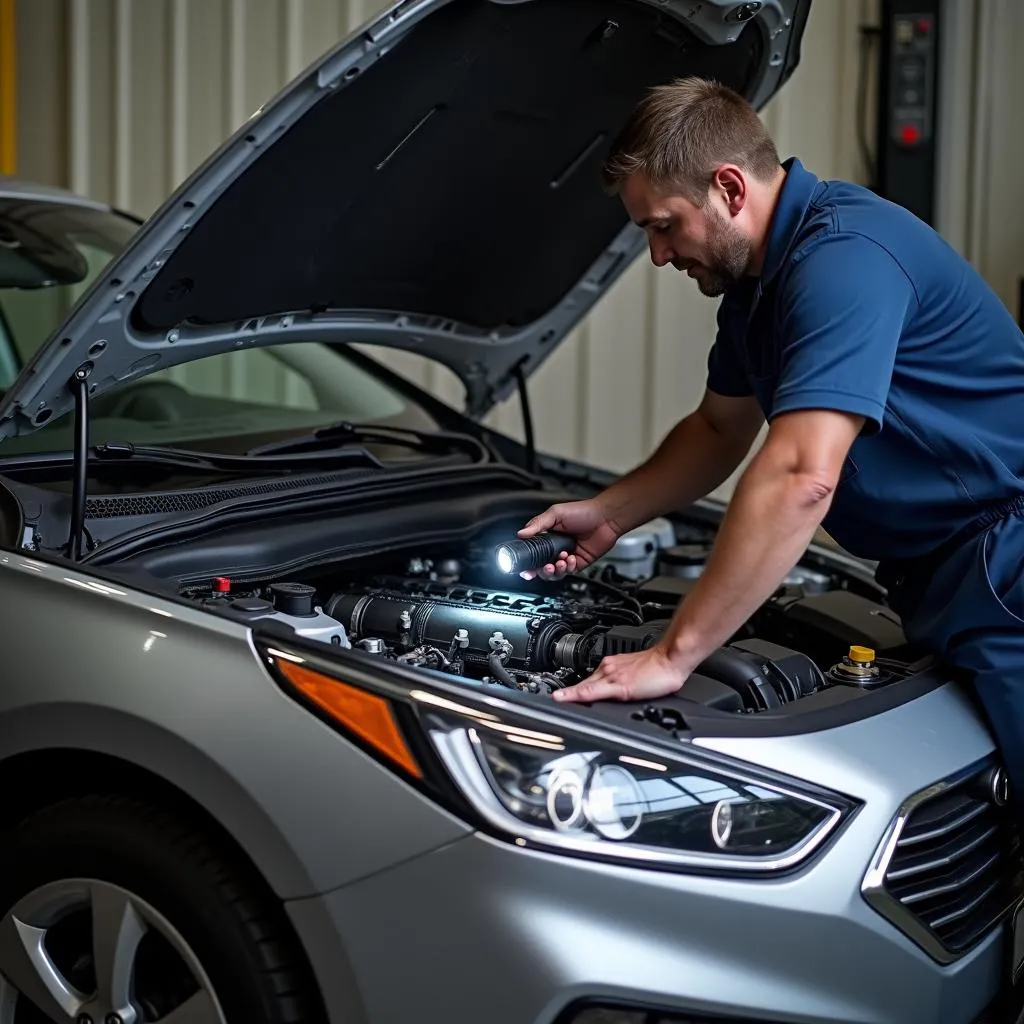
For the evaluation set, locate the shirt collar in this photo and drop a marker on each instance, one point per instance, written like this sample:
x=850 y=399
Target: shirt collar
x=790 y=210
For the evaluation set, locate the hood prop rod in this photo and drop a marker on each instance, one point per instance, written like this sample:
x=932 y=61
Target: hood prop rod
x=524 y=403
x=80 y=388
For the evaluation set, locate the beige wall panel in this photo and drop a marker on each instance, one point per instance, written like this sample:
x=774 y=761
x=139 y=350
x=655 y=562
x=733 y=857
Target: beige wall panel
x=998 y=214
x=42 y=47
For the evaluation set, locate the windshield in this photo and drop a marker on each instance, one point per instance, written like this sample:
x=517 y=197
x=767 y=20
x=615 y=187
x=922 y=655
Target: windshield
x=50 y=253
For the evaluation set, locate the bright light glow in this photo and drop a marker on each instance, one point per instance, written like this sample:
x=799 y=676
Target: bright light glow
x=274 y=653
x=529 y=741
x=154 y=635
x=614 y=803
x=721 y=824
x=504 y=560
x=642 y=762
x=96 y=588
x=565 y=801
x=449 y=705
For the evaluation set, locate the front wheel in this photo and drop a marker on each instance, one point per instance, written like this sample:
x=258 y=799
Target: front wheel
x=112 y=912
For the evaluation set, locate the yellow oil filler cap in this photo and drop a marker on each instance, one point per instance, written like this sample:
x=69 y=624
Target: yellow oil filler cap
x=861 y=655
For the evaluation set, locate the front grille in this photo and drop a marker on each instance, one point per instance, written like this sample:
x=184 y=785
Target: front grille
x=953 y=869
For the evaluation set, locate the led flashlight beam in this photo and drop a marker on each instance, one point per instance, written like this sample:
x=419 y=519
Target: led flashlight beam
x=534 y=553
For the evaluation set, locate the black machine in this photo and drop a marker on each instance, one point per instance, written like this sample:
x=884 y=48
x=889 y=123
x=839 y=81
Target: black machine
x=906 y=134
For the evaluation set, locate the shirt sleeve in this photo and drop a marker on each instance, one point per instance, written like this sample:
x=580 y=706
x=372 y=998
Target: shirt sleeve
x=726 y=374
x=841 y=312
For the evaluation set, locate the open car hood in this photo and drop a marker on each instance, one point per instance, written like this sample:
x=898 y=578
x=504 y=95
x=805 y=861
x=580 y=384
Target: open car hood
x=428 y=184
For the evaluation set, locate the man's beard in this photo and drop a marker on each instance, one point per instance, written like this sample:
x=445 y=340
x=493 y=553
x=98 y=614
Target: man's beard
x=728 y=256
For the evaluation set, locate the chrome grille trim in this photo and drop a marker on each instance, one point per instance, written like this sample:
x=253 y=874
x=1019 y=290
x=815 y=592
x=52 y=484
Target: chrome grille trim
x=899 y=911
x=938 y=862
x=925 y=837
x=939 y=890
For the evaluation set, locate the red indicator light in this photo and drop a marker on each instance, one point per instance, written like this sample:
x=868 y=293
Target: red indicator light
x=909 y=134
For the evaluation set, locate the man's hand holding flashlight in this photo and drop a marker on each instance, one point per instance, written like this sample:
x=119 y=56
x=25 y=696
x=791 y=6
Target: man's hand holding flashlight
x=641 y=675
x=587 y=521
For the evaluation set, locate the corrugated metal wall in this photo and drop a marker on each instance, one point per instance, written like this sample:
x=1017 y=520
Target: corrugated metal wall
x=120 y=99
x=996 y=218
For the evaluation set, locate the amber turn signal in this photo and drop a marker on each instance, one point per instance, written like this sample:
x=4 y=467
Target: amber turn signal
x=363 y=714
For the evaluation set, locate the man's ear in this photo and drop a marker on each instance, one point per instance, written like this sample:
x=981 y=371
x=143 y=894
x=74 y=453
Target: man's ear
x=731 y=184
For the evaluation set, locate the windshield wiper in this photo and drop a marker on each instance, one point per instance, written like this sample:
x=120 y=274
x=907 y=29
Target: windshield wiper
x=79 y=386
x=115 y=452
x=121 y=451
x=334 y=435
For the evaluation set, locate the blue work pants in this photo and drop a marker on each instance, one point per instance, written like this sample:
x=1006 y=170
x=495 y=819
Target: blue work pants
x=968 y=610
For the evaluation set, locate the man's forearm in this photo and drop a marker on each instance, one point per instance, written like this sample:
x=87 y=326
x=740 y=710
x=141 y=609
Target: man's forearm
x=770 y=521
x=690 y=462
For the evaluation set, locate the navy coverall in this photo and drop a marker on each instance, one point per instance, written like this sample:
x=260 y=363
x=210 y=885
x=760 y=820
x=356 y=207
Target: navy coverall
x=864 y=309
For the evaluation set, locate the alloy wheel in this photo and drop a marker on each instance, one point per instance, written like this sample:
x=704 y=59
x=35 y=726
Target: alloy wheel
x=84 y=951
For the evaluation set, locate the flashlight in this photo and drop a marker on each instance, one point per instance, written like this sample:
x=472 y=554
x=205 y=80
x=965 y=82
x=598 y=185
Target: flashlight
x=527 y=555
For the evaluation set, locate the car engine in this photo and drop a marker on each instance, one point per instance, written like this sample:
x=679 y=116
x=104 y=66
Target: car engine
x=456 y=613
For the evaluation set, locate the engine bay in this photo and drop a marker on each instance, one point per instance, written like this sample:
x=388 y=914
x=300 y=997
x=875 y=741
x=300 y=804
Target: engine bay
x=451 y=609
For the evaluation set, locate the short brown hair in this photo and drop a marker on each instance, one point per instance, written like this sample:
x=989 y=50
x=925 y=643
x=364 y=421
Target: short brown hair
x=680 y=133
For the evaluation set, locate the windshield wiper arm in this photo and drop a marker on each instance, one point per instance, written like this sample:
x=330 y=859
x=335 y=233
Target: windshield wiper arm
x=121 y=451
x=115 y=452
x=336 y=434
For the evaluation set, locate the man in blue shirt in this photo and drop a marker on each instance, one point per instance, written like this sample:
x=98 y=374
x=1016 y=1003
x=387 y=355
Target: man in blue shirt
x=892 y=381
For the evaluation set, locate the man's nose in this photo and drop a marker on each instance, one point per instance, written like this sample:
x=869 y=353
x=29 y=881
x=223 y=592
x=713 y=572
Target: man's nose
x=661 y=254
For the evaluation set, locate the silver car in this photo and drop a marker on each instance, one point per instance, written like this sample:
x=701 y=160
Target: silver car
x=276 y=737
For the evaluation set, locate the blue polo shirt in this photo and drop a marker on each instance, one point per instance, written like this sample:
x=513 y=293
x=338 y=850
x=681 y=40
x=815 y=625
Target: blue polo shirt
x=863 y=308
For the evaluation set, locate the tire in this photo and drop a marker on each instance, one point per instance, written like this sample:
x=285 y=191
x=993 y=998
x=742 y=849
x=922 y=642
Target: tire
x=214 y=933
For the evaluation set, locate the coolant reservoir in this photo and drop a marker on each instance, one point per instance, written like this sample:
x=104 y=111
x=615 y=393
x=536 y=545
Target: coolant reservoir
x=685 y=561
x=294 y=604
x=635 y=553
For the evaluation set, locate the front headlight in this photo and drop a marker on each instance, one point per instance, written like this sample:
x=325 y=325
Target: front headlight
x=529 y=779
x=574 y=793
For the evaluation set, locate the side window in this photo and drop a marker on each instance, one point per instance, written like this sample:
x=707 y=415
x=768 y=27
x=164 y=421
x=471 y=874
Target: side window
x=28 y=316
x=97 y=259
x=8 y=357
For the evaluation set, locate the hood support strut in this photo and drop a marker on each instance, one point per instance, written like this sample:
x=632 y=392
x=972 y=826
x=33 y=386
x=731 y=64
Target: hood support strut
x=79 y=385
x=524 y=402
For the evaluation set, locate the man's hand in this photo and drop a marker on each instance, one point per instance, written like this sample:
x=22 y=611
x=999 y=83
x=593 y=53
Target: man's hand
x=587 y=521
x=640 y=675
x=694 y=458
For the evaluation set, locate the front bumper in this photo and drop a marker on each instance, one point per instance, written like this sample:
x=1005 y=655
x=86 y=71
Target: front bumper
x=483 y=930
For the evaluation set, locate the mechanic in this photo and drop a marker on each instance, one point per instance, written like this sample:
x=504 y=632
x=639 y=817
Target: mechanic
x=891 y=378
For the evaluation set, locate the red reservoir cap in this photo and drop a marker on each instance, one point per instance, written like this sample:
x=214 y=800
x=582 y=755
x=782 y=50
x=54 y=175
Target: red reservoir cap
x=221 y=585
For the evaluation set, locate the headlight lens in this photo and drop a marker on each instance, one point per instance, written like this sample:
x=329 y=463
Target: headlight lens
x=571 y=793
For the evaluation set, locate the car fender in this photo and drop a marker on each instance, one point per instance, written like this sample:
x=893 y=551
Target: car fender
x=181 y=693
